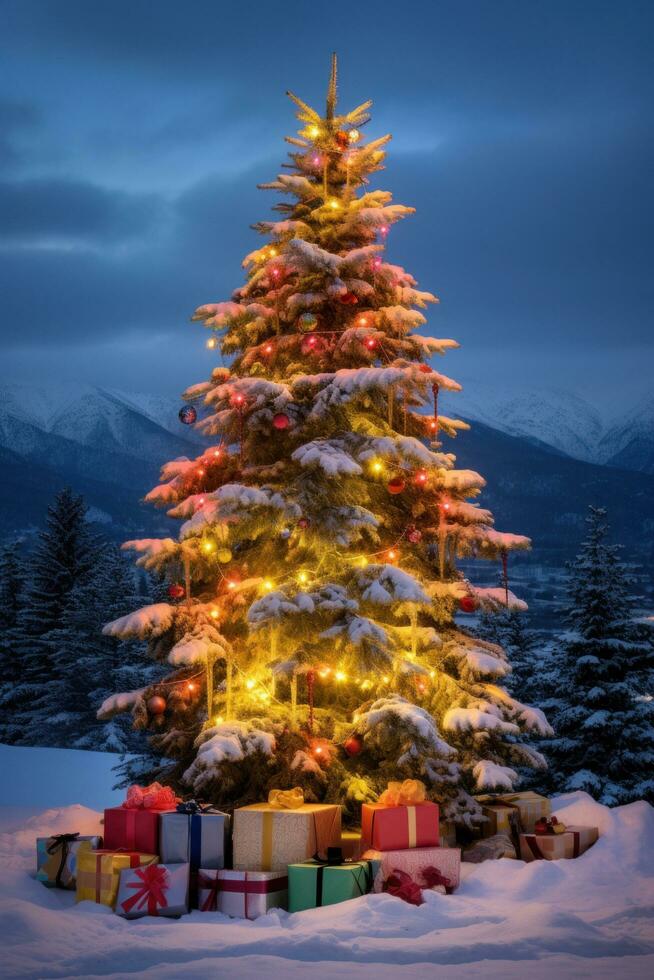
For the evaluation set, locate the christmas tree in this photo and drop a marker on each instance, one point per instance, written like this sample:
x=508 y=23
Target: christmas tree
x=600 y=681
x=312 y=637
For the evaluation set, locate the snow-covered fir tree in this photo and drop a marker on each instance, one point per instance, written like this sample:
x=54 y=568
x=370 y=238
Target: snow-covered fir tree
x=600 y=698
x=316 y=641
x=12 y=598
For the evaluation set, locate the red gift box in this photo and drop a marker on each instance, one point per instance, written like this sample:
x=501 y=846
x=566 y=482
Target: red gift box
x=397 y=828
x=134 y=826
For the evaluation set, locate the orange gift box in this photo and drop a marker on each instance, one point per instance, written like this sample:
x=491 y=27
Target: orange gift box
x=398 y=828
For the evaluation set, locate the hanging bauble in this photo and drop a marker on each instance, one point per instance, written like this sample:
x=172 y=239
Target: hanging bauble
x=176 y=591
x=285 y=533
x=307 y=321
x=467 y=604
x=414 y=535
x=303 y=523
x=224 y=555
x=342 y=139
x=396 y=484
x=156 y=705
x=281 y=421
x=348 y=299
x=353 y=745
x=187 y=415
x=354 y=136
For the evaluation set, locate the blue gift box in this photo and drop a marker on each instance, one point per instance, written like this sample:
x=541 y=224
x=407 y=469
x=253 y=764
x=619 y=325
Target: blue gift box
x=194 y=835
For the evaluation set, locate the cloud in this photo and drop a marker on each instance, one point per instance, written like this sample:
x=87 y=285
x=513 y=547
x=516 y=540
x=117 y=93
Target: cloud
x=73 y=211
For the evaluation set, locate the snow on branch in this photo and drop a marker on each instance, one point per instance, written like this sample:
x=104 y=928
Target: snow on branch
x=148 y=621
x=329 y=455
x=228 y=742
x=494 y=600
x=474 y=719
x=386 y=584
x=490 y=775
x=118 y=703
x=394 y=710
x=155 y=552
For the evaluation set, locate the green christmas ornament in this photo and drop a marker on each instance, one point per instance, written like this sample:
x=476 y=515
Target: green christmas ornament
x=307 y=322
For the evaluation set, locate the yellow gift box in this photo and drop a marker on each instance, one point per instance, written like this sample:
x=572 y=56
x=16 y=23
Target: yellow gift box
x=98 y=873
x=270 y=836
x=530 y=806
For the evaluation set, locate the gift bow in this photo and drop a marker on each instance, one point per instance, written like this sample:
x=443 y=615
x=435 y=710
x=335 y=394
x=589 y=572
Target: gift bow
x=432 y=878
x=402 y=885
x=151 y=888
x=62 y=841
x=287 y=799
x=192 y=806
x=409 y=793
x=152 y=797
x=549 y=825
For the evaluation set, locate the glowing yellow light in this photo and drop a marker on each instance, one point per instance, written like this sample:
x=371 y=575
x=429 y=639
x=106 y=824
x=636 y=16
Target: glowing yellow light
x=391 y=555
x=211 y=343
x=366 y=685
x=250 y=683
x=362 y=562
x=318 y=750
x=208 y=546
x=267 y=585
x=432 y=673
x=218 y=720
x=362 y=321
x=325 y=672
x=340 y=676
x=216 y=452
x=231 y=584
x=377 y=467
x=354 y=135
x=214 y=614
x=385 y=679
x=273 y=252
x=303 y=578
x=263 y=696
x=334 y=205
x=313 y=132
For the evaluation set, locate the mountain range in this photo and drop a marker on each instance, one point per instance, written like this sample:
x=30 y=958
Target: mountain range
x=545 y=455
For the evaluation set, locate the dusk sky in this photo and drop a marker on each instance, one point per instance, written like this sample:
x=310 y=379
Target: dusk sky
x=133 y=134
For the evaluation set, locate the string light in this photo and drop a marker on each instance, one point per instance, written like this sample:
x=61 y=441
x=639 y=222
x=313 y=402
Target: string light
x=362 y=562
x=376 y=262
x=371 y=343
x=385 y=679
x=384 y=230
x=268 y=349
x=239 y=399
x=250 y=684
x=421 y=477
x=377 y=466
x=444 y=505
x=340 y=676
x=363 y=321
x=303 y=578
x=211 y=343
x=354 y=135
x=333 y=203
x=316 y=161
x=313 y=132
x=190 y=687
x=201 y=502
x=391 y=555
x=200 y=472
x=217 y=452
x=231 y=584
x=325 y=672
x=208 y=546
x=273 y=252
x=218 y=720
x=214 y=614
x=267 y=585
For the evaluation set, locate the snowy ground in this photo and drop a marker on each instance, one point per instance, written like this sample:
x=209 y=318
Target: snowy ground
x=593 y=917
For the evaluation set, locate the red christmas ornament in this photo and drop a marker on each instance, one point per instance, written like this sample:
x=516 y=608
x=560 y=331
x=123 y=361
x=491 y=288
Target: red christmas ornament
x=303 y=523
x=426 y=369
x=176 y=591
x=353 y=745
x=414 y=535
x=156 y=705
x=396 y=485
x=467 y=604
x=342 y=139
x=348 y=299
x=281 y=421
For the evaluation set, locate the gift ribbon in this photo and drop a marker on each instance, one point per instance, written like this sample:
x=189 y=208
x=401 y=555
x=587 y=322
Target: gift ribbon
x=211 y=885
x=152 y=797
x=192 y=807
x=287 y=799
x=62 y=841
x=134 y=861
x=412 y=826
x=246 y=886
x=402 y=885
x=335 y=859
x=408 y=793
x=152 y=886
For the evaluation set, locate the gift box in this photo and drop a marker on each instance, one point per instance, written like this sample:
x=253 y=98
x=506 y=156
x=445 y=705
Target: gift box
x=270 y=836
x=423 y=864
x=156 y=889
x=528 y=806
x=312 y=884
x=98 y=873
x=393 y=828
x=56 y=858
x=554 y=847
x=194 y=835
x=242 y=894
x=351 y=845
x=134 y=826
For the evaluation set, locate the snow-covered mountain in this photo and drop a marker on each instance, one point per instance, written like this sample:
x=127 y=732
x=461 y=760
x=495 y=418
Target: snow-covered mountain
x=562 y=420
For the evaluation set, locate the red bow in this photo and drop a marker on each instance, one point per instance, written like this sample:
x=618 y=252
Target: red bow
x=153 y=797
x=432 y=878
x=402 y=885
x=151 y=889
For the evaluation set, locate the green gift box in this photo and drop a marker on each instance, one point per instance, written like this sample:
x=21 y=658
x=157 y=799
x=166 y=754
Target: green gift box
x=314 y=883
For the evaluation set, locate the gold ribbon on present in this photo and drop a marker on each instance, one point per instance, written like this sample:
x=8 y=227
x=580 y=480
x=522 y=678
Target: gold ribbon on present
x=286 y=799
x=411 y=792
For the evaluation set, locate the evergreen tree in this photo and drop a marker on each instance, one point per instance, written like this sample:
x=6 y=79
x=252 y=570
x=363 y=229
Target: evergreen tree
x=316 y=643
x=600 y=702
x=12 y=598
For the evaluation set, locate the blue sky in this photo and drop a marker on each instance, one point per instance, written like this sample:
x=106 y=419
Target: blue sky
x=133 y=134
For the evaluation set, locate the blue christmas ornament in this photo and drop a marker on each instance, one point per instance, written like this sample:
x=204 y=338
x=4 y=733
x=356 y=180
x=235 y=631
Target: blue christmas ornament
x=187 y=415
x=285 y=534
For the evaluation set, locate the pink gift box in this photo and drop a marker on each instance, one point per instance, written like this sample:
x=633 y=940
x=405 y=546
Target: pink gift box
x=242 y=894
x=393 y=828
x=447 y=860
